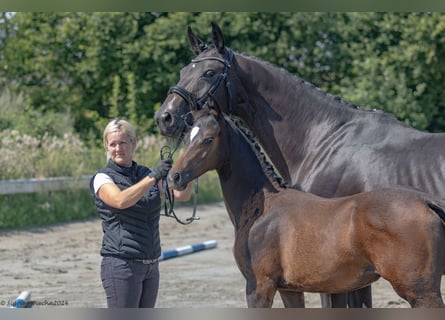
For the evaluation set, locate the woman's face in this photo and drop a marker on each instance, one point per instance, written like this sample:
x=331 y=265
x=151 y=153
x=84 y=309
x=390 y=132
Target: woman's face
x=120 y=148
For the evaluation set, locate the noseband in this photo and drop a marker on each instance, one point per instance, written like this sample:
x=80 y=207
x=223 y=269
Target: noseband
x=197 y=103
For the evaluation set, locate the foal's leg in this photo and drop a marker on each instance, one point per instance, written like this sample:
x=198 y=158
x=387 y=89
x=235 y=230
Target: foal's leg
x=292 y=299
x=428 y=301
x=425 y=300
x=426 y=297
x=260 y=294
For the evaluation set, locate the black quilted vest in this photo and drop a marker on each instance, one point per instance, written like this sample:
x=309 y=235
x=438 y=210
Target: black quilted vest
x=131 y=233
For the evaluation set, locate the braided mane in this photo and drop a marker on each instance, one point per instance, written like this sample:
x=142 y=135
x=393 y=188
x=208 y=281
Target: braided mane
x=268 y=169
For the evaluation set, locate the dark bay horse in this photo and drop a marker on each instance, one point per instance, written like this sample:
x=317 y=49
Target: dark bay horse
x=293 y=242
x=316 y=141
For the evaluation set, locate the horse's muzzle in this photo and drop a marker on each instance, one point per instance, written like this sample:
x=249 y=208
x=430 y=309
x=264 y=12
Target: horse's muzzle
x=175 y=181
x=168 y=124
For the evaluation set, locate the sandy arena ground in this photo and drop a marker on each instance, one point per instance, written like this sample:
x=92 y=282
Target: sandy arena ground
x=60 y=265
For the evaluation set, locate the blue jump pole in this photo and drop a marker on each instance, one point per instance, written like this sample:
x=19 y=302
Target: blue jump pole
x=169 y=254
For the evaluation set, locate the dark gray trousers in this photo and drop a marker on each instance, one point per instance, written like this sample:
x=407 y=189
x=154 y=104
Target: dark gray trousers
x=129 y=283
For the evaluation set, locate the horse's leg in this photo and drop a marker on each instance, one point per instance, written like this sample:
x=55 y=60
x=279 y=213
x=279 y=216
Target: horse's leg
x=259 y=294
x=361 y=298
x=292 y=299
x=326 y=301
x=336 y=300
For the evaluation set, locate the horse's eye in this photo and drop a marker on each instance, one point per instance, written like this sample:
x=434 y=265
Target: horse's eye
x=209 y=73
x=208 y=140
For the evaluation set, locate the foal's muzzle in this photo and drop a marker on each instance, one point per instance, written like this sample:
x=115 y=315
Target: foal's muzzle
x=175 y=181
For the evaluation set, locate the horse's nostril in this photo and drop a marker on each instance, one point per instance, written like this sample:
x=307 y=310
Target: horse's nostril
x=166 y=118
x=176 y=177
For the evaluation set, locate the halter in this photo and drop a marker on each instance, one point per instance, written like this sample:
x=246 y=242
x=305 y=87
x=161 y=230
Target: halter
x=196 y=103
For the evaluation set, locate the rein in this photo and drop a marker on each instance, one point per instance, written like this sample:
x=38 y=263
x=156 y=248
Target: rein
x=208 y=98
x=169 y=198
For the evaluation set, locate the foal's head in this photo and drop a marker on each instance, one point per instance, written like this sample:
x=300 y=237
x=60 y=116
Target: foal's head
x=204 y=150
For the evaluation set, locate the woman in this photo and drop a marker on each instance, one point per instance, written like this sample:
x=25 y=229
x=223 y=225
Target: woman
x=128 y=199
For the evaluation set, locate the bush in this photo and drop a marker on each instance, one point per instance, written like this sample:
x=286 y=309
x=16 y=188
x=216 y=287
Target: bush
x=24 y=156
x=17 y=115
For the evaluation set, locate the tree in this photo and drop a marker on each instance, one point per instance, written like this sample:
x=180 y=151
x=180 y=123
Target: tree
x=397 y=65
x=95 y=66
x=68 y=61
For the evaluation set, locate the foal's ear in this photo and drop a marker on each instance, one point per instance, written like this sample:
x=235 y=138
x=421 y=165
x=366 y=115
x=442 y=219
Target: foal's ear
x=211 y=108
x=196 y=44
x=218 y=38
x=214 y=110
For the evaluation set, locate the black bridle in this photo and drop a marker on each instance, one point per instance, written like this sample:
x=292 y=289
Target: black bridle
x=196 y=103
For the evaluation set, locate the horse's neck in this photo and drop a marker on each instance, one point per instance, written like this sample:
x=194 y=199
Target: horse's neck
x=283 y=112
x=242 y=177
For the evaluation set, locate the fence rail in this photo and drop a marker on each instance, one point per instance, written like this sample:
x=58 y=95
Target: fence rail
x=43 y=185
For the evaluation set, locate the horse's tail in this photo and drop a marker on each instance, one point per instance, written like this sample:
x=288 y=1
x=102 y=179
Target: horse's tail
x=437 y=209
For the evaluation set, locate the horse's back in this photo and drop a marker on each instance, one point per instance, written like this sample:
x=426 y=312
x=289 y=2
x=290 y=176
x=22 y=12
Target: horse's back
x=368 y=159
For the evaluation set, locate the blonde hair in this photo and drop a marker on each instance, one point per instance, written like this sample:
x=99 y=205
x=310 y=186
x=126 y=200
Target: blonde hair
x=119 y=125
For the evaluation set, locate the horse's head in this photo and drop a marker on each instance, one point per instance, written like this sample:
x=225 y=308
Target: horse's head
x=202 y=82
x=204 y=149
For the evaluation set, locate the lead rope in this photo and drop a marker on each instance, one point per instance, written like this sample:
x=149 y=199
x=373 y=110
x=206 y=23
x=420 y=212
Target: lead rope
x=169 y=197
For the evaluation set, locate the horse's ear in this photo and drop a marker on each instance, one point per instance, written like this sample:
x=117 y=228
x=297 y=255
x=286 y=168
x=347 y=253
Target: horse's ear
x=218 y=38
x=196 y=44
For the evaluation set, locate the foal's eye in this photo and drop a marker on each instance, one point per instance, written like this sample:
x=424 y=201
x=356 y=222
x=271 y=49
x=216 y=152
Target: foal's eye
x=209 y=73
x=208 y=140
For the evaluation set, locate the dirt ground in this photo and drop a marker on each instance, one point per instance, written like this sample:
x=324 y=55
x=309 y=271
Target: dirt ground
x=60 y=265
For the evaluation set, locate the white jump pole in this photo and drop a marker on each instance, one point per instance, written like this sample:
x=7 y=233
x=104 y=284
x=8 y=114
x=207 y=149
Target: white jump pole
x=169 y=254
